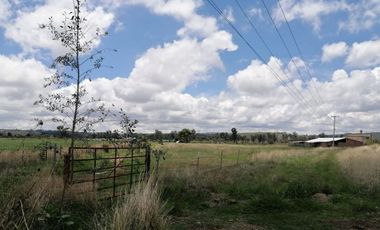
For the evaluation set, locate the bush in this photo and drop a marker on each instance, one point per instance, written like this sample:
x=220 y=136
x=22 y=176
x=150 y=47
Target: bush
x=140 y=210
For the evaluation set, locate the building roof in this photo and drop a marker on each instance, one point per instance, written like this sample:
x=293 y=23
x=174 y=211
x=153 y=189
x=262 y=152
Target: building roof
x=325 y=139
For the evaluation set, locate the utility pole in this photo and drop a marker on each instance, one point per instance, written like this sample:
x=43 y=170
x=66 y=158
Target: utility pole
x=334 y=117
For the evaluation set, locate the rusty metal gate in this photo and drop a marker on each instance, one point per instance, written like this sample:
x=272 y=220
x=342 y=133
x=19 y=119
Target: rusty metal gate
x=107 y=171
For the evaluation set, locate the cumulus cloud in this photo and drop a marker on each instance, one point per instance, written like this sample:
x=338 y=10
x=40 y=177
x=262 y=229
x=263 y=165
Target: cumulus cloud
x=24 y=28
x=254 y=100
x=309 y=11
x=361 y=16
x=5 y=11
x=176 y=65
x=183 y=10
x=364 y=54
x=257 y=78
x=21 y=83
x=333 y=51
x=349 y=94
x=155 y=90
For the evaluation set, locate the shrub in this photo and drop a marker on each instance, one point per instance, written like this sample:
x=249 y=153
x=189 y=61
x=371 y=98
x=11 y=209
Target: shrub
x=141 y=209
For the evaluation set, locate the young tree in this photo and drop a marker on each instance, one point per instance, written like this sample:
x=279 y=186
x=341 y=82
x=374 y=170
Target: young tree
x=185 y=135
x=74 y=111
x=158 y=136
x=234 y=135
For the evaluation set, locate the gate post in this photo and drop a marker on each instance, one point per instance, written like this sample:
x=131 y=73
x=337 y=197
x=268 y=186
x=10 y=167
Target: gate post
x=66 y=169
x=147 y=162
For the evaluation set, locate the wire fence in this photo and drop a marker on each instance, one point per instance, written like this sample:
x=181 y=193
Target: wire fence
x=206 y=161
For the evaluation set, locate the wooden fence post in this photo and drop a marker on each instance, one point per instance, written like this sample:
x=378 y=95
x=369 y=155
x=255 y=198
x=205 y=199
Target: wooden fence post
x=147 y=162
x=66 y=169
x=221 y=159
x=114 y=174
x=94 y=172
x=54 y=162
x=131 y=172
x=198 y=162
x=158 y=156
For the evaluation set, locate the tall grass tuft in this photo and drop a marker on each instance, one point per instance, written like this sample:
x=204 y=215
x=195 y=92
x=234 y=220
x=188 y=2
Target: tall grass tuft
x=139 y=210
x=362 y=164
x=20 y=207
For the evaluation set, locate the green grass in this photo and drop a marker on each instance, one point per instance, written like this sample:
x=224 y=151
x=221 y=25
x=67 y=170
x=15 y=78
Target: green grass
x=274 y=195
x=186 y=154
x=273 y=187
x=28 y=144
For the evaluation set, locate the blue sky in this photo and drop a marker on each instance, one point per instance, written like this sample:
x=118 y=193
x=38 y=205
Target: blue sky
x=179 y=64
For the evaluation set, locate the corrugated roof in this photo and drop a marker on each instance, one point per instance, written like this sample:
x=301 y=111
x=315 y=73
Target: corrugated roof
x=325 y=139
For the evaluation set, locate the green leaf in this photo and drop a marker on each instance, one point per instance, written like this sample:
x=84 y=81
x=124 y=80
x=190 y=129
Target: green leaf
x=68 y=223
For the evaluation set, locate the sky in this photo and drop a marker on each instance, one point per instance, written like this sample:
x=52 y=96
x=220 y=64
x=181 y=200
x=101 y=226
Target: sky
x=180 y=64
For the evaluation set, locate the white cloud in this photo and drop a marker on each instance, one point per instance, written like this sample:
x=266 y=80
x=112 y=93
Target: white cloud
x=256 y=79
x=310 y=11
x=256 y=13
x=5 y=11
x=365 y=54
x=21 y=83
x=339 y=75
x=174 y=66
x=24 y=28
x=361 y=16
x=155 y=91
x=229 y=13
x=333 y=51
x=184 y=10
x=255 y=101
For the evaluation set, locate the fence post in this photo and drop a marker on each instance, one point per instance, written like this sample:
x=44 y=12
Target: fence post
x=46 y=150
x=71 y=154
x=131 y=172
x=158 y=156
x=94 y=172
x=114 y=175
x=54 y=161
x=221 y=159
x=66 y=169
x=198 y=162
x=147 y=162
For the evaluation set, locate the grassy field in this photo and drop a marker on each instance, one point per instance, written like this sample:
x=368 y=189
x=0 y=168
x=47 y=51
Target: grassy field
x=258 y=187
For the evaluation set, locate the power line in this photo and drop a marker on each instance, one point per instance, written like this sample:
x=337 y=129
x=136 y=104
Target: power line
x=290 y=91
x=299 y=51
x=287 y=49
x=267 y=47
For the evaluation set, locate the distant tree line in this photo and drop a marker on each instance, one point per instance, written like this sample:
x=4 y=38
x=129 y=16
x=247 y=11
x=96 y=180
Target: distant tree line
x=190 y=135
x=185 y=135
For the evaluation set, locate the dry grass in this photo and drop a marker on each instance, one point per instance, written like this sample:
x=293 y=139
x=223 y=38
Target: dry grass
x=202 y=180
x=283 y=155
x=362 y=164
x=17 y=157
x=22 y=204
x=140 y=210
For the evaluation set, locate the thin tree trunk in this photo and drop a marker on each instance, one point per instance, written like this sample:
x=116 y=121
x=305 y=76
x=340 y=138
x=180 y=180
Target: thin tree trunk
x=77 y=49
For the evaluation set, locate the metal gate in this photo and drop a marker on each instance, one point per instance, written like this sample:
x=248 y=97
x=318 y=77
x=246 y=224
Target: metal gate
x=111 y=171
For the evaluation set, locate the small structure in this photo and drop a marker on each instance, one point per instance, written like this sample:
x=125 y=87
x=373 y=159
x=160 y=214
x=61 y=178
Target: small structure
x=362 y=137
x=297 y=143
x=338 y=141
